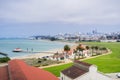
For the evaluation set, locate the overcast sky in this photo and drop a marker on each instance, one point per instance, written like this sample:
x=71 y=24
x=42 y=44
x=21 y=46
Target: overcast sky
x=34 y=17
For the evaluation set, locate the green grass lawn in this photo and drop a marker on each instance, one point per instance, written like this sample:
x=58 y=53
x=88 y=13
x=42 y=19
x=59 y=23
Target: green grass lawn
x=107 y=63
x=56 y=69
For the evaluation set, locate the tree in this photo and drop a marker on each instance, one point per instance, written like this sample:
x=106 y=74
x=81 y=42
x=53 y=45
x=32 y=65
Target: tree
x=101 y=50
x=87 y=47
x=104 y=50
x=66 y=48
x=88 y=50
x=80 y=48
x=92 y=47
x=75 y=54
x=96 y=48
x=53 y=39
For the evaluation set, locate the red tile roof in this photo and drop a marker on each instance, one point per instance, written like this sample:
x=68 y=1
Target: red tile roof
x=41 y=74
x=19 y=70
x=30 y=73
x=4 y=73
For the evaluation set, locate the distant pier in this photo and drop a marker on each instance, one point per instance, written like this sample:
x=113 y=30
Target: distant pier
x=4 y=54
x=38 y=52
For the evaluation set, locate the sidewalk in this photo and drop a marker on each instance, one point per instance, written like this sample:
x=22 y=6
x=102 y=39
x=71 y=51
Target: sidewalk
x=113 y=76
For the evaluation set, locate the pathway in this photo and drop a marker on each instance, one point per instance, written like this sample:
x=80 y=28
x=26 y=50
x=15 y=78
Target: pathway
x=113 y=76
x=69 y=61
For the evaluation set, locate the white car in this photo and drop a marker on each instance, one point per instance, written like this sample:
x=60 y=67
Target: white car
x=118 y=75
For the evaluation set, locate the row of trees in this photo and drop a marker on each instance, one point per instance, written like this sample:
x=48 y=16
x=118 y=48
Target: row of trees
x=98 y=50
x=93 y=50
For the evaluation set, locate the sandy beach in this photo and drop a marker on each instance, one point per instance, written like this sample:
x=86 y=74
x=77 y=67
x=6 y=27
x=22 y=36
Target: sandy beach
x=40 y=55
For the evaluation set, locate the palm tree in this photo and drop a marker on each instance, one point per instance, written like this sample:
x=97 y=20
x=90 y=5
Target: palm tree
x=96 y=49
x=57 y=56
x=80 y=48
x=92 y=47
x=75 y=54
x=88 y=53
x=101 y=50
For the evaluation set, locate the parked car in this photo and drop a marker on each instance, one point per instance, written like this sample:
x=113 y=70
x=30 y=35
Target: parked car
x=118 y=75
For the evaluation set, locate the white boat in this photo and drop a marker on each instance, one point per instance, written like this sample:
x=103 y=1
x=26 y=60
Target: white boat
x=17 y=50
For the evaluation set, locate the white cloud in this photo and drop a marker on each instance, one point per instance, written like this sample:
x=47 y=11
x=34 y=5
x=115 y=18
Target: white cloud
x=70 y=11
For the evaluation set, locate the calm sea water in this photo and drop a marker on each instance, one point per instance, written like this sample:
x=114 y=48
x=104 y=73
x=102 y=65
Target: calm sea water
x=7 y=45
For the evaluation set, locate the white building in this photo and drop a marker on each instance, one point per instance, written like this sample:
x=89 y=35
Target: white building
x=108 y=40
x=82 y=71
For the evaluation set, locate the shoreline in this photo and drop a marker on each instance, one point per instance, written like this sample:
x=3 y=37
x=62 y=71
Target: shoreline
x=40 y=55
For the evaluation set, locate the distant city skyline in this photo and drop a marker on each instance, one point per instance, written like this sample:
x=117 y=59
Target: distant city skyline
x=49 y=17
x=51 y=30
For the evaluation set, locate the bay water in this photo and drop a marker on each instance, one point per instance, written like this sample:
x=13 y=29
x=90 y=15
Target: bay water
x=7 y=46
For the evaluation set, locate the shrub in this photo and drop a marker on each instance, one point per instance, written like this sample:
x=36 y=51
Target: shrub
x=4 y=59
x=45 y=64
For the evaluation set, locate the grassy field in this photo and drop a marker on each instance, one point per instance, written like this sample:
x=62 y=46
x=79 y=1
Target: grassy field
x=56 y=69
x=108 y=63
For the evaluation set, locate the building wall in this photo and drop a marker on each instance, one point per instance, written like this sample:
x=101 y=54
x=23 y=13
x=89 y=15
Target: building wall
x=63 y=77
x=93 y=75
x=83 y=77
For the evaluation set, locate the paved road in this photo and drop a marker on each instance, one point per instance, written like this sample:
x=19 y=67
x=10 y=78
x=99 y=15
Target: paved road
x=113 y=76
